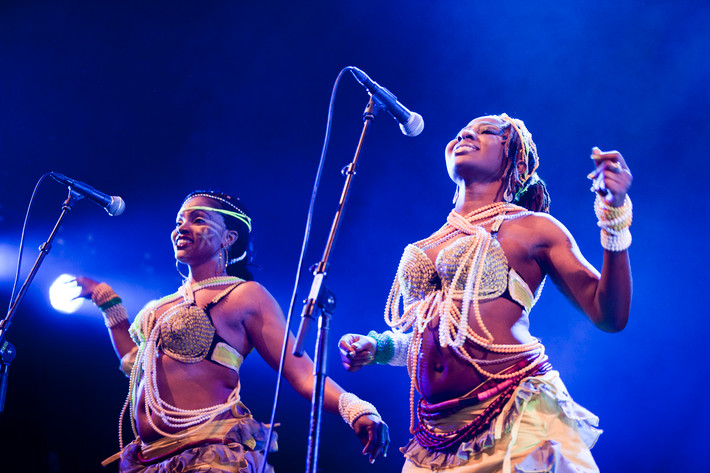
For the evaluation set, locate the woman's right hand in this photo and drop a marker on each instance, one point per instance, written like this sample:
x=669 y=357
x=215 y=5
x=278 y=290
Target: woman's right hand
x=356 y=350
x=87 y=286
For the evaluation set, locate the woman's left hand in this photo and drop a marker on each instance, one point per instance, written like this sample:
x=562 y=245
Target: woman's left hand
x=612 y=177
x=374 y=435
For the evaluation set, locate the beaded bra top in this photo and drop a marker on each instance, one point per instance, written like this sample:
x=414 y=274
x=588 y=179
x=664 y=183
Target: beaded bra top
x=186 y=333
x=418 y=276
x=470 y=268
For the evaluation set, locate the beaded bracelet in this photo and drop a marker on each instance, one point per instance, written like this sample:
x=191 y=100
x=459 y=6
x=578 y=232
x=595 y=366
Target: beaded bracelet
x=351 y=408
x=110 y=304
x=392 y=347
x=614 y=223
x=616 y=241
x=385 y=347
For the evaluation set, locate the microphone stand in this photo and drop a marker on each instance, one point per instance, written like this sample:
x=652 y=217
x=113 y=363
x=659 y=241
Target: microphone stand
x=7 y=350
x=322 y=301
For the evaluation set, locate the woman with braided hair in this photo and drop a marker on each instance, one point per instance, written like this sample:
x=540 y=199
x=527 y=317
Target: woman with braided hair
x=182 y=353
x=459 y=309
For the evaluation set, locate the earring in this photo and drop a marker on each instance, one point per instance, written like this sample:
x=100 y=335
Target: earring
x=222 y=267
x=177 y=266
x=456 y=195
x=508 y=194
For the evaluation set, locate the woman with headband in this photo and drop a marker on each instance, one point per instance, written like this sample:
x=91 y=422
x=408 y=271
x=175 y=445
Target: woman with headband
x=459 y=311
x=182 y=353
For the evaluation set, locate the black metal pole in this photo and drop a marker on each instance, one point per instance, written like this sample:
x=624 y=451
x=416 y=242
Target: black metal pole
x=320 y=375
x=322 y=301
x=7 y=351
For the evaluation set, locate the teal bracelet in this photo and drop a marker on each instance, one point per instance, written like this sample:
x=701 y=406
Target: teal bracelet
x=110 y=303
x=385 y=347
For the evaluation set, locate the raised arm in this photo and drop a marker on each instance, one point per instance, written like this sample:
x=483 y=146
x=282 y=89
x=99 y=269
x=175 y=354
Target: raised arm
x=265 y=327
x=114 y=313
x=605 y=297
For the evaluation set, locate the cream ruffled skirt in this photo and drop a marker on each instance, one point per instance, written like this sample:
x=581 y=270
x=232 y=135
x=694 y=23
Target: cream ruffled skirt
x=540 y=429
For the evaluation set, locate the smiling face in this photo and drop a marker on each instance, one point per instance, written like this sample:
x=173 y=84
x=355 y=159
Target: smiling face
x=200 y=234
x=477 y=150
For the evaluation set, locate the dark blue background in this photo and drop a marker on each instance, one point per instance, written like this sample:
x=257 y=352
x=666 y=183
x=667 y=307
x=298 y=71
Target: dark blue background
x=150 y=100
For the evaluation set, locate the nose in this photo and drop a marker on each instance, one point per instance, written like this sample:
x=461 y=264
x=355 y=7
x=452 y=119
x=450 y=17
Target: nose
x=181 y=228
x=466 y=135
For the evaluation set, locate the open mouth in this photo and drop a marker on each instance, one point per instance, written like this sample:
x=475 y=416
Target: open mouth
x=465 y=147
x=182 y=242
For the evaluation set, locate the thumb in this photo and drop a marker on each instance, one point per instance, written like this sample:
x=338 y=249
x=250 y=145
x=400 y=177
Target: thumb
x=357 y=344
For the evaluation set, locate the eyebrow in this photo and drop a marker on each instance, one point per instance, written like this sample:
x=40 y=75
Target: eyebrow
x=469 y=127
x=198 y=211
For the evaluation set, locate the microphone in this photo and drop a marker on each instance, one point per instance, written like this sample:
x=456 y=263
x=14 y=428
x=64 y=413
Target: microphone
x=113 y=204
x=410 y=123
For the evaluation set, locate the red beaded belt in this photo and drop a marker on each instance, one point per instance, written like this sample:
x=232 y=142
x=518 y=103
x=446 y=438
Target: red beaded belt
x=503 y=389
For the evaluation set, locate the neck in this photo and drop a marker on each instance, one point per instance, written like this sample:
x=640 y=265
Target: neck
x=205 y=271
x=476 y=195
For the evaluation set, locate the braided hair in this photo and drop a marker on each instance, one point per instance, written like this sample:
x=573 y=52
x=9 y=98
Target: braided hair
x=523 y=188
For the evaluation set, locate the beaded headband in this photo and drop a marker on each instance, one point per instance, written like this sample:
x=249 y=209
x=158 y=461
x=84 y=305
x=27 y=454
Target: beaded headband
x=239 y=214
x=242 y=217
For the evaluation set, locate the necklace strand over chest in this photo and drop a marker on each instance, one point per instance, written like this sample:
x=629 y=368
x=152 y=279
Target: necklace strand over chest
x=454 y=329
x=145 y=367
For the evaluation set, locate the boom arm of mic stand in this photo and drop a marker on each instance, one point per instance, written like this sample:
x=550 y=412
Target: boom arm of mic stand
x=320 y=273
x=321 y=298
x=7 y=350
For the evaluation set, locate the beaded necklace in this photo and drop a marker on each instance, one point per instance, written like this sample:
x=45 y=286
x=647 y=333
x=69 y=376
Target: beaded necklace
x=145 y=366
x=454 y=328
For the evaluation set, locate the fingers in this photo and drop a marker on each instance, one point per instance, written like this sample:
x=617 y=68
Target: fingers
x=611 y=178
x=378 y=444
x=616 y=161
x=347 y=351
x=378 y=438
x=356 y=351
x=86 y=285
x=353 y=362
x=346 y=342
x=385 y=436
x=597 y=177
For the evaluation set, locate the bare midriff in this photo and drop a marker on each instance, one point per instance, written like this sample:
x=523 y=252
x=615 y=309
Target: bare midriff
x=186 y=386
x=443 y=375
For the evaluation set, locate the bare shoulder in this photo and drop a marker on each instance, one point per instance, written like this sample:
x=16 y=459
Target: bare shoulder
x=254 y=289
x=250 y=294
x=542 y=227
x=253 y=299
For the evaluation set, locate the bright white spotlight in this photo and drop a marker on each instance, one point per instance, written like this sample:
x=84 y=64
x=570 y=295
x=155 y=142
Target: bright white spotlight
x=64 y=294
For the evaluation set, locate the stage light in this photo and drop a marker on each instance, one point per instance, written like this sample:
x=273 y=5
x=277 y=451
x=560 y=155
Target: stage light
x=64 y=294
x=8 y=262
